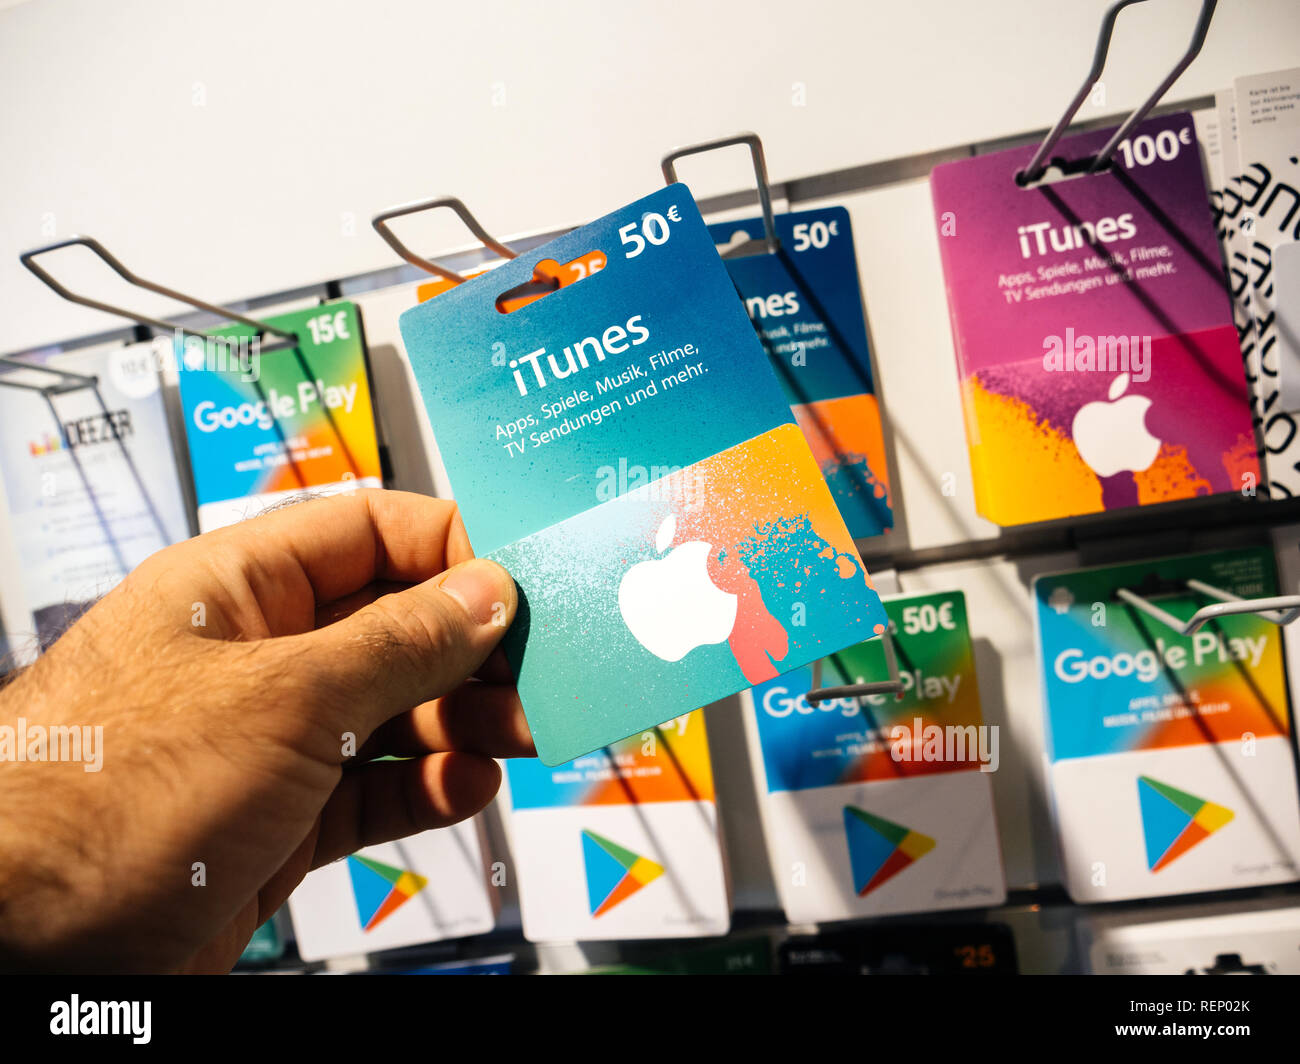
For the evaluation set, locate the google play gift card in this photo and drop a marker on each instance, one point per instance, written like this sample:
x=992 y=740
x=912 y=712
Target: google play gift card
x=1168 y=756
x=623 y=448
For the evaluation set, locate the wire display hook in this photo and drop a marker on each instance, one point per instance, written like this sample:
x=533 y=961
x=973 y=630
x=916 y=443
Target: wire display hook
x=856 y=690
x=1038 y=164
x=1278 y=609
x=28 y=259
x=380 y=223
x=751 y=141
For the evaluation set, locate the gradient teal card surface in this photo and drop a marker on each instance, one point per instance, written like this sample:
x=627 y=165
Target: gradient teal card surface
x=624 y=449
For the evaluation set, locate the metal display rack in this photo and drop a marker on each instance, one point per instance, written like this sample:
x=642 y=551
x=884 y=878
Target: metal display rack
x=1041 y=918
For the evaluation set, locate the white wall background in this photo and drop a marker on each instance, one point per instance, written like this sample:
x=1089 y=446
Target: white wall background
x=238 y=147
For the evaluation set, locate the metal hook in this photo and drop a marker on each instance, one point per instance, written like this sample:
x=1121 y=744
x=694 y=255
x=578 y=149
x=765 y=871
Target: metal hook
x=28 y=259
x=856 y=690
x=1038 y=164
x=71 y=382
x=380 y=224
x=760 y=174
x=1279 y=609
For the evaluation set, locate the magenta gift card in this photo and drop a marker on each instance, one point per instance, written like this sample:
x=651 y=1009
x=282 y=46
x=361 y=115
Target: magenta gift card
x=1100 y=367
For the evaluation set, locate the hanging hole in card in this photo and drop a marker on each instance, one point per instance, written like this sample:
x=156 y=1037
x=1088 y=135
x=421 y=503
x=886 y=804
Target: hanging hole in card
x=1060 y=169
x=549 y=276
x=734 y=243
x=742 y=244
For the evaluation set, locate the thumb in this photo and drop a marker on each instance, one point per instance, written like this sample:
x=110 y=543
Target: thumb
x=414 y=645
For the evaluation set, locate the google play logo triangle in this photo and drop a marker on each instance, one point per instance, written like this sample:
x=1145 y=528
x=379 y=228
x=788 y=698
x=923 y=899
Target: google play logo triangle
x=879 y=849
x=614 y=873
x=380 y=890
x=1174 y=821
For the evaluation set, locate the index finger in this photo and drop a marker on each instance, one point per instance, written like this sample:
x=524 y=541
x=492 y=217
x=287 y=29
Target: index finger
x=344 y=542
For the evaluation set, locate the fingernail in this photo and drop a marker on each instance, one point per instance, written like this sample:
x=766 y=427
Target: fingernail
x=483 y=588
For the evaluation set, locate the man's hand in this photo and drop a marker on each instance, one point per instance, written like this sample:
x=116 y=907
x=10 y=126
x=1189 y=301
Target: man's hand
x=245 y=680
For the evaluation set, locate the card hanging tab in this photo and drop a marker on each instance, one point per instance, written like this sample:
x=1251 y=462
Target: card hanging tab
x=751 y=141
x=28 y=259
x=1278 y=609
x=1038 y=164
x=856 y=690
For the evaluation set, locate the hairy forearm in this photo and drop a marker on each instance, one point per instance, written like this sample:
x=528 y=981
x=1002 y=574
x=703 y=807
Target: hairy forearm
x=47 y=854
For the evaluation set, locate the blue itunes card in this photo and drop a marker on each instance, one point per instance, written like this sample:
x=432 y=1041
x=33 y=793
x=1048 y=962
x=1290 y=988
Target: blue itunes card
x=805 y=301
x=624 y=449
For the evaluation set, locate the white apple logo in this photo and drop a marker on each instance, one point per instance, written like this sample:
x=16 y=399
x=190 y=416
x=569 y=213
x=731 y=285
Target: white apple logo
x=670 y=605
x=1112 y=436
